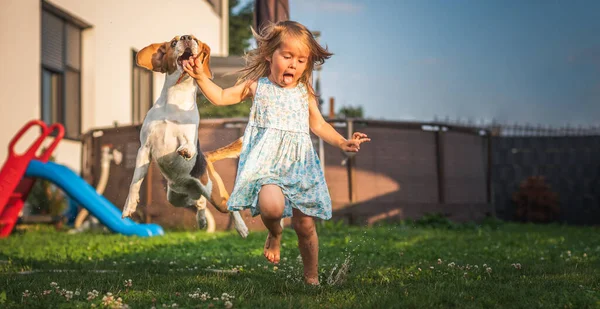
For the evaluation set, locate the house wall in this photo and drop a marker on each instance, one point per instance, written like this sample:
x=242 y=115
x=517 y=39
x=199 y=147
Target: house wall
x=118 y=27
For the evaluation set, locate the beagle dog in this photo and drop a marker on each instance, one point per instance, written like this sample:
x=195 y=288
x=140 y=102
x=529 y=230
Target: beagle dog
x=169 y=135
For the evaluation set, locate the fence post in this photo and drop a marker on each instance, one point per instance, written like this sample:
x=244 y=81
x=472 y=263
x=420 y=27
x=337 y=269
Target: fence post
x=439 y=149
x=350 y=165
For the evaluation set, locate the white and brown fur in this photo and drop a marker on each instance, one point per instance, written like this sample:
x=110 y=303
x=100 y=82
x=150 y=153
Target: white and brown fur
x=169 y=134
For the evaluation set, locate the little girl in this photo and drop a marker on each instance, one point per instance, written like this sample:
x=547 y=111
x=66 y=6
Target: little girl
x=279 y=174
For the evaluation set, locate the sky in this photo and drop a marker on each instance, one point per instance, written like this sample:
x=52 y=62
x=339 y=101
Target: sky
x=511 y=61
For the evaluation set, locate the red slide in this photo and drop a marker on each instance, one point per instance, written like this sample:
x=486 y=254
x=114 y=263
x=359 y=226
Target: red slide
x=14 y=188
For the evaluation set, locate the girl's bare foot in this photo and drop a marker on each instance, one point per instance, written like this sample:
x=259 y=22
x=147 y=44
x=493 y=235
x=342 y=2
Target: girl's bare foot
x=272 y=248
x=311 y=281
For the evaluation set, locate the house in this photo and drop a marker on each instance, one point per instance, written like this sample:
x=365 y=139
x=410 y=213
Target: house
x=73 y=62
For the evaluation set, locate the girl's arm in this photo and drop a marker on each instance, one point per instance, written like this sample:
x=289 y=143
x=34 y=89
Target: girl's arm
x=325 y=131
x=215 y=94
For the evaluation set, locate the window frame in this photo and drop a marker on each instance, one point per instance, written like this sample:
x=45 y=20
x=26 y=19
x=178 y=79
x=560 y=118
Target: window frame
x=62 y=113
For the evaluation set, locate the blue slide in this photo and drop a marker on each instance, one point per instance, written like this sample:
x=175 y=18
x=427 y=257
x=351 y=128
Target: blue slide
x=86 y=196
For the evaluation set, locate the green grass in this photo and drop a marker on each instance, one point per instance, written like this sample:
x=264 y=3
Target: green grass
x=390 y=266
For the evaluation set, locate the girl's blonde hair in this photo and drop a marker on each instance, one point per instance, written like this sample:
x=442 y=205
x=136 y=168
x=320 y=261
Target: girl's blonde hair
x=269 y=39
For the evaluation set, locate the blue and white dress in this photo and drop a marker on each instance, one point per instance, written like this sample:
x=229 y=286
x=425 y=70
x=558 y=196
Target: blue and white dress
x=277 y=149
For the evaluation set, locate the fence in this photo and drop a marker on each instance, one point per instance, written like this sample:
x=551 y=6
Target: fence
x=408 y=169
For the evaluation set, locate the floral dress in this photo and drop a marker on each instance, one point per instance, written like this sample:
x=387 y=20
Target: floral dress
x=277 y=149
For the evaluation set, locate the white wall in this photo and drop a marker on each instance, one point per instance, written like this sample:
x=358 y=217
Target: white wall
x=117 y=27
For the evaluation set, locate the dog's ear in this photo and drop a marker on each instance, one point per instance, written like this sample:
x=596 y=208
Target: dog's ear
x=152 y=57
x=205 y=54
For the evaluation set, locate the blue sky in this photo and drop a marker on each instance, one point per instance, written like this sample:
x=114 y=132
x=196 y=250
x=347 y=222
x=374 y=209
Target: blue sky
x=535 y=61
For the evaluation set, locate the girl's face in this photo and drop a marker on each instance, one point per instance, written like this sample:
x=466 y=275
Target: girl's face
x=288 y=63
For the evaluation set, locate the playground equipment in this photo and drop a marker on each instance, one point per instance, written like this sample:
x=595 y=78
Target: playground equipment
x=18 y=175
x=107 y=157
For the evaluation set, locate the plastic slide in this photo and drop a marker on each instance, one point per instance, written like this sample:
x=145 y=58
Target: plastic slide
x=87 y=197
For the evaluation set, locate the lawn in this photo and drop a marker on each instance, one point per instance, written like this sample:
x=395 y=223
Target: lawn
x=408 y=265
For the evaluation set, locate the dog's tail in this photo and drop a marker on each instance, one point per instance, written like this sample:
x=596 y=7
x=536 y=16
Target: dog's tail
x=230 y=151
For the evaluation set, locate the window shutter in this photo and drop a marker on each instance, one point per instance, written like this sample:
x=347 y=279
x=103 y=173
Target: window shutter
x=52 y=41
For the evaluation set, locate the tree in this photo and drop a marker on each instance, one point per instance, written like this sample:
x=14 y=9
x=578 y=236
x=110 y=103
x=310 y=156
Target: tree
x=240 y=21
x=239 y=27
x=351 y=112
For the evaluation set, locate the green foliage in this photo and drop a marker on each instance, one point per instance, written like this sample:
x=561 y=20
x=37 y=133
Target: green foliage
x=389 y=266
x=351 y=112
x=207 y=110
x=46 y=199
x=239 y=27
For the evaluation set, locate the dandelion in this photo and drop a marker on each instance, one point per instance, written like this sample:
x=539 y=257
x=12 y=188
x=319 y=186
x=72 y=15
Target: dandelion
x=516 y=265
x=228 y=304
x=465 y=275
x=488 y=270
x=431 y=267
x=451 y=265
x=439 y=261
x=46 y=292
x=54 y=285
x=26 y=294
x=275 y=268
x=484 y=265
x=584 y=254
x=419 y=268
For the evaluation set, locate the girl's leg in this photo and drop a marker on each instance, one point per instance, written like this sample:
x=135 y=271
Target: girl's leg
x=271 y=203
x=308 y=243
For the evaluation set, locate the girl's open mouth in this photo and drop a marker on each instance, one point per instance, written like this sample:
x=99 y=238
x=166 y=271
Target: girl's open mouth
x=288 y=78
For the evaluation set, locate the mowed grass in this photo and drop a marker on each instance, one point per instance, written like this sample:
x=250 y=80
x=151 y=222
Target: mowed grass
x=496 y=265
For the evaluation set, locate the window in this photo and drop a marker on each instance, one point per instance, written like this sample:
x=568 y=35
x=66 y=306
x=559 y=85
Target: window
x=141 y=91
x=61 y=69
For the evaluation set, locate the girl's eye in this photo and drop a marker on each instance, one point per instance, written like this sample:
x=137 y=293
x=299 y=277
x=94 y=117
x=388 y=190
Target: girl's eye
x=287 y=57
x=302 y=61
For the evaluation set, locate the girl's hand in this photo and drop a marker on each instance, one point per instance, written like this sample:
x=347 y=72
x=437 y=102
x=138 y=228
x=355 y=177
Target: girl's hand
x=193 y=67
x=353 y=145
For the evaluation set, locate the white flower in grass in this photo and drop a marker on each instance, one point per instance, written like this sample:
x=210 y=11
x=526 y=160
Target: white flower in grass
x=431 y=267
x=419 y=268
x=484 y=265
x=228 y=305
x=451 y=265
x=92 y=295
x=128 y=283
x=174 y=305
x=77 y=292
x=465 y=275
x=488 y=270
x=68 y=295
x=26 y=293
x=584 y=254
x=516 y=265
x=46 y=292
x=54 y=284
x=439 y=261
x=569 y=253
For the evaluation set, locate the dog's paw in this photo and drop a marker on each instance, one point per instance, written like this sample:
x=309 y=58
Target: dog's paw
x=185 y=152
x=201 y=218
x=128 y=209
